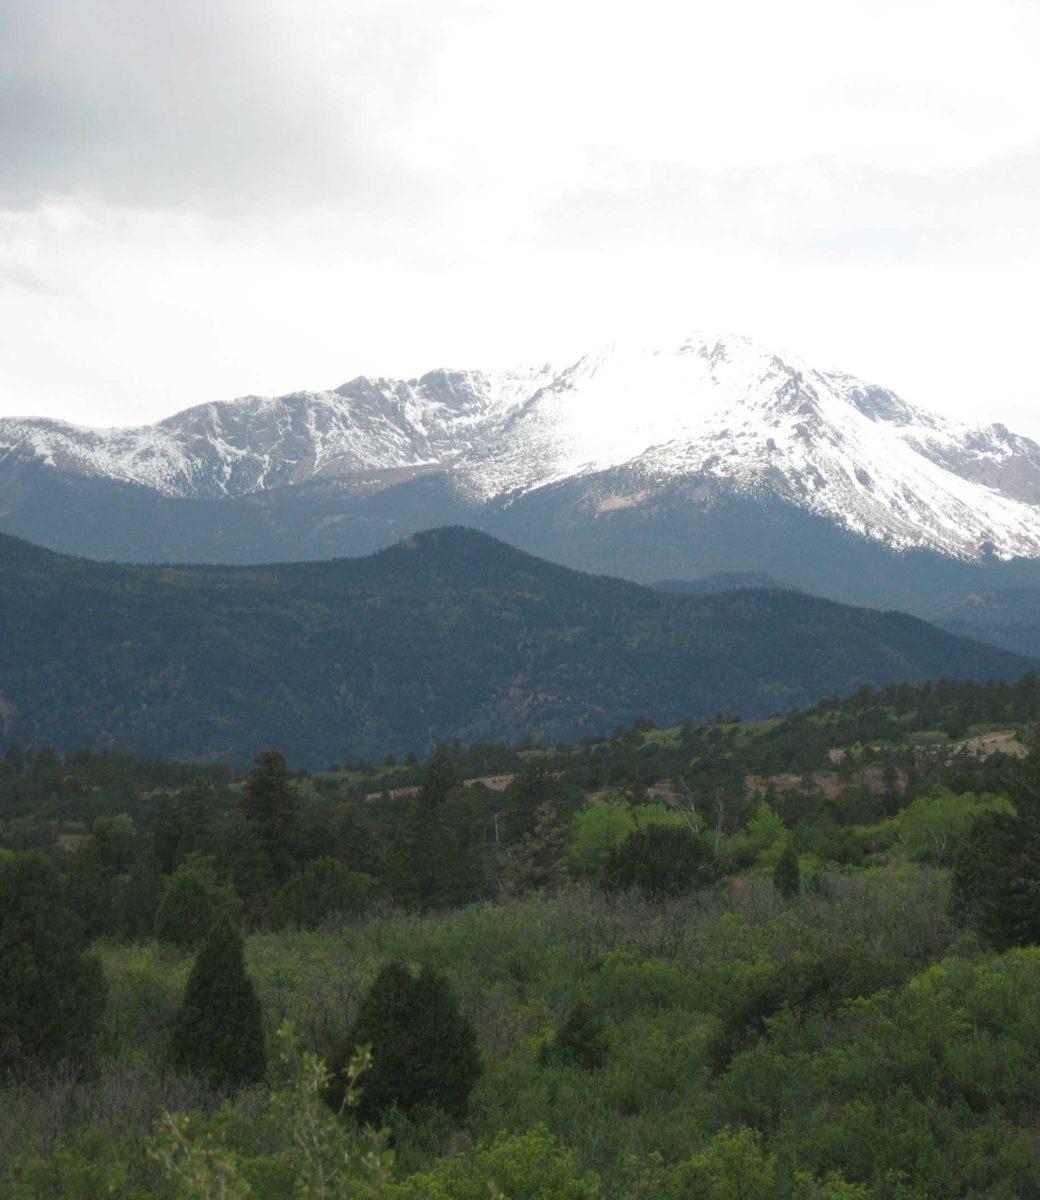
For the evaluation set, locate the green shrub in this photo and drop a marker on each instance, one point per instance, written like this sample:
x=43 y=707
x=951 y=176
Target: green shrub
x=325 y=888
x=658 y=861
x=530 y=1166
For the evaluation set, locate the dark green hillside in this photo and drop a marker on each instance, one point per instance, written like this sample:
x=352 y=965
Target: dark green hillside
x=449 y=634
x=1008 y=618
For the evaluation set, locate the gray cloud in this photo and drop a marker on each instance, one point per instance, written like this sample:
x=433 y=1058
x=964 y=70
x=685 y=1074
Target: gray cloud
x=197 y=103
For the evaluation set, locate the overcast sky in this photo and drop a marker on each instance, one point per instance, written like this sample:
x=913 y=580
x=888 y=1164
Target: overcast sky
x=209 y=198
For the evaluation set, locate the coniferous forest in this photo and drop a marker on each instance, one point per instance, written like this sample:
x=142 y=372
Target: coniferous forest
x=789 y=957
x=449 y=634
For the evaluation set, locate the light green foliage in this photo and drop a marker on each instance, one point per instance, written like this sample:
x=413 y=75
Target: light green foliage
x=314 y=1156
x=67 y=1174
x=765 y=828
x=908 y=1081
x=530 y=1166
x=769 y=838
x=595 y=832
x=601 y=827
x=934 y=826
x=925 y=1090
x=733 y=1167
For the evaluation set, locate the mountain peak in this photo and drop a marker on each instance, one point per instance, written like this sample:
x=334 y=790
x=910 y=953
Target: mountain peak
x=711 y=407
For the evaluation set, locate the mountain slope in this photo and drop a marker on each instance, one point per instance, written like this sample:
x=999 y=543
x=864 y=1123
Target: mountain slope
x=448 y=634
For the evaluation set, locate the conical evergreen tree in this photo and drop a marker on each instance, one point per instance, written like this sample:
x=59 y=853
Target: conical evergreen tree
x=787 y=878
x=424 y=1051
x=185 y=912
x=218 y=1032
x=580 y=1041
x=51 y=994
x=268 y=799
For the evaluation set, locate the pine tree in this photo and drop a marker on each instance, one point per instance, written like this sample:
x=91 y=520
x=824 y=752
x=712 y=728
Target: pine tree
x=218 y=1032
x=533 y=787
x=580 y=1041
x=268 y=799
x=88 y=890
x=442 y=854
x=424 y=1050
x=440 y=778
x=185 y=912
x=996 y=878
x=787 y=877
x=52 y=995
x=135 y=900
x=538 y=860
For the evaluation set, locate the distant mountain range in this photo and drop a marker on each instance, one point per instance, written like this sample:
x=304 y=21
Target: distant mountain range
x=713 y=457
x=448 y=634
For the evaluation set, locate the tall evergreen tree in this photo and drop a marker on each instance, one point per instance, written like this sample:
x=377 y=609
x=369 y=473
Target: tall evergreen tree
x=442 y=856
x=787 y=878
x=269 y=799
x=88 y=890
x=996 y=879
x=538 y=860
x=424 y=1050
x=13 y=764
x=52 y=995
x=440 y=778
x=218 y=1032
x=533 y=788
x=136 y=895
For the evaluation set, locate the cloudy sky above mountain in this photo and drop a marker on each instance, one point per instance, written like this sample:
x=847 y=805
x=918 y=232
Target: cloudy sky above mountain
x=215 y=197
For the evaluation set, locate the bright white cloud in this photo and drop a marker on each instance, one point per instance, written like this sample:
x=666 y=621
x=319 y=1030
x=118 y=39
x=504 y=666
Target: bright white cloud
x=207 y=199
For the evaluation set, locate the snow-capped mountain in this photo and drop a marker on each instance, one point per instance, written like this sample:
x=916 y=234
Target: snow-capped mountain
x=719 y=411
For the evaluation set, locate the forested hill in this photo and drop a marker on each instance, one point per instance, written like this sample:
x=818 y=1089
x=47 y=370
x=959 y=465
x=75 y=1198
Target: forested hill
x=449 y=634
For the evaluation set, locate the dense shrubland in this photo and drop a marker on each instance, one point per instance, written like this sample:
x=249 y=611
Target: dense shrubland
x=786 y=959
